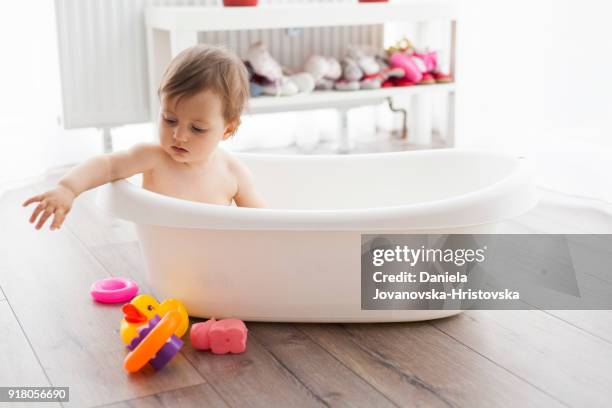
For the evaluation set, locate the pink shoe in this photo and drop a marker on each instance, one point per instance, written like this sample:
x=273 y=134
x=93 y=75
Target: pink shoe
x=405 y=62
x=430 y=60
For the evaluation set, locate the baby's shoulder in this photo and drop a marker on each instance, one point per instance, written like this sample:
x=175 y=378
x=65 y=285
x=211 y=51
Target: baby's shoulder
x=232 y=163
x=150 y=153
x=237 y=168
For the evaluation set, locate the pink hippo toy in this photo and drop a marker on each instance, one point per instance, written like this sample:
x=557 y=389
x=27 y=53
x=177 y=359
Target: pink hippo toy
x=220 y=336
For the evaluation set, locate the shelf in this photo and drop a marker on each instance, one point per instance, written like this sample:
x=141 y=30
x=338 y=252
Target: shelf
x=171 y=30
x=190 y=18
x=339 y=99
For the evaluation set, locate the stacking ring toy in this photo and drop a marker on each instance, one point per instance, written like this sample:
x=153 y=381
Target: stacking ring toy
x=142 y=308
x=156 y=343
x=113 y=290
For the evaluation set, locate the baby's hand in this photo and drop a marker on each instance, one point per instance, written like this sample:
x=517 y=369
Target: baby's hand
x=57 y=201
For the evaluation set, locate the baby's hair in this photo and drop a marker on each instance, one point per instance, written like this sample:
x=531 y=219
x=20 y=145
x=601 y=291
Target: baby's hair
x=208 y=67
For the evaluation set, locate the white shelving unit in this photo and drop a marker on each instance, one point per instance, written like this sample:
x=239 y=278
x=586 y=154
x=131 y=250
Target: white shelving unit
x=172 y=29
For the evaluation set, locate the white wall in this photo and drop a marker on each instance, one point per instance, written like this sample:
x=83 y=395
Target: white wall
x=31 y=139
x=535 y=79
x=533 y=67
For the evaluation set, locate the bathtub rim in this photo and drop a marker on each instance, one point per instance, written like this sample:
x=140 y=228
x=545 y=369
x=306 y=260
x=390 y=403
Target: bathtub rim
x=126 y=200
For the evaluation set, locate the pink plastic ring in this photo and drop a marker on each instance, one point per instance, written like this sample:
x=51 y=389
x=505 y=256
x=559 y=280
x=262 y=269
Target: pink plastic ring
x=113 y=290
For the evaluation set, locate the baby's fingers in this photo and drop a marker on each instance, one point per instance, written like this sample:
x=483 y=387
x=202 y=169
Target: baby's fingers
x=37 y=211
x=48 y=212
x=33 y=200
x=58 y=219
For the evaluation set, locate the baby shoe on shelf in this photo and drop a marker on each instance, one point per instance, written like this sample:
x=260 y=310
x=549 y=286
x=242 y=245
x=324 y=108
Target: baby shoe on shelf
x=412 y=71
x=262 y=62
x=255 y=81
x=429 y=60
x=427 y=79
x=382 y=79
x=387 y=73
x=282 y=87
x=304 y=81
x=351 y=75
x=373 y=81
x=367 y=63
x=325 y=85
x=350 y=70
x=344 y=85
x=324 y=71
x=334 y=70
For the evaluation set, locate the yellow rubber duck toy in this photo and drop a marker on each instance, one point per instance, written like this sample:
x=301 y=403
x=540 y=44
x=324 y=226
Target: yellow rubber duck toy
x=142 y=308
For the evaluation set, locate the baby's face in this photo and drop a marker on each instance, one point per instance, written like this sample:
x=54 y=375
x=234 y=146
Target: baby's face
x=191 y=130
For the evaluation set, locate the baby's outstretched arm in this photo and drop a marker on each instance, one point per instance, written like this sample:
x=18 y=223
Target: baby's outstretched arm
x=247 y=195
x=90 y=174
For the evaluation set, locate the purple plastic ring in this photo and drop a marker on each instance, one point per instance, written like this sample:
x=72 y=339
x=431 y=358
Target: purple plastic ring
x=113 y=290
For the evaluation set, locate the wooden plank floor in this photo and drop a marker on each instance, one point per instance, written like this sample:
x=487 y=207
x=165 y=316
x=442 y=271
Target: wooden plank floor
x=53 y=334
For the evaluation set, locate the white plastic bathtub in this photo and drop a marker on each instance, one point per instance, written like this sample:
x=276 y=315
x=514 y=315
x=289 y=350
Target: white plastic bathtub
x=299 y=259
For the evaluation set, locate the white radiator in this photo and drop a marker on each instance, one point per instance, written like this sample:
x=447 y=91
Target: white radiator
x=103 y=60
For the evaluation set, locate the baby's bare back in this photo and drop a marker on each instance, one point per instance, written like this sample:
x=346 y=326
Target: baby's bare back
x=213 y=183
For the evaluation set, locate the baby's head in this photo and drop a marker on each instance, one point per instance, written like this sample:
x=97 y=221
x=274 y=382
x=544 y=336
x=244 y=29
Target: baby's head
x=202 y=94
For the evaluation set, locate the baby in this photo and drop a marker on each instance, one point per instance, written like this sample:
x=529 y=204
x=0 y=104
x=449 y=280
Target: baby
x=202 y=94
